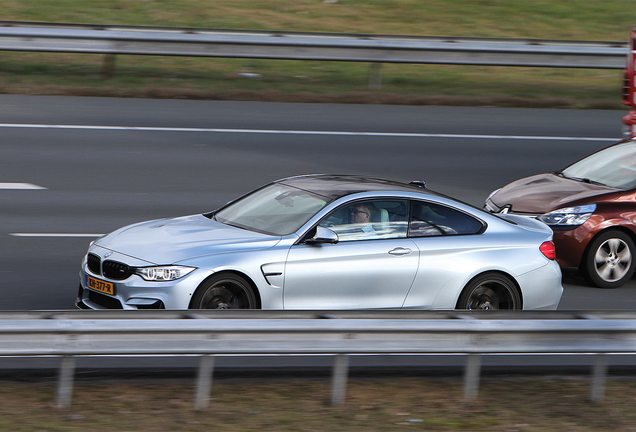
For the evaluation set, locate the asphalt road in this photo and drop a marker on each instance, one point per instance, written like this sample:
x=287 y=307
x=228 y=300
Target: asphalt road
x=102 y=163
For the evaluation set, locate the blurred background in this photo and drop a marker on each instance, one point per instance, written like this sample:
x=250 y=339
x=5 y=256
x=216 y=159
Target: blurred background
x=92 y=142
x=313 y=81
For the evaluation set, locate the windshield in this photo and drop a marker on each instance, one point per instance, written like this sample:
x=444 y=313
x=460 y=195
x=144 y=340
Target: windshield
x=275 y=209
x=615 y=167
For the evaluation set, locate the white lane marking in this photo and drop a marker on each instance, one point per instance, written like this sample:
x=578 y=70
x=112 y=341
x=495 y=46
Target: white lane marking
x=300 y=132
x=22 y=186
x=53 y=235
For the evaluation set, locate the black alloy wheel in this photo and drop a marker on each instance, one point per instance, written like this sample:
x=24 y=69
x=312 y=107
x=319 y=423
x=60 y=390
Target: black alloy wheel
x=225 y=291
x=490 y=291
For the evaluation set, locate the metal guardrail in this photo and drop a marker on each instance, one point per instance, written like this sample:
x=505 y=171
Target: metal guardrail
x=209 y=333
x=376 y=49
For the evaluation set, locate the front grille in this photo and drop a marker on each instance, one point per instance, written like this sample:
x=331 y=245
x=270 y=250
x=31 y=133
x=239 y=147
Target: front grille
x=93 y=262
x=116 y=270
x=104 y=300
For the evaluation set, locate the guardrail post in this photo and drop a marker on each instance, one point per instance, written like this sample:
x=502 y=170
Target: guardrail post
x=204 y=382
x=471 y=376
x=375 y=76
x=339 y=379
x=109 y=65
x=65 y=383
x=597 y=391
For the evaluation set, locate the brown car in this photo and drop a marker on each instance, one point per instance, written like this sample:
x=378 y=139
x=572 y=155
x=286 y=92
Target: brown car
x=590 y=206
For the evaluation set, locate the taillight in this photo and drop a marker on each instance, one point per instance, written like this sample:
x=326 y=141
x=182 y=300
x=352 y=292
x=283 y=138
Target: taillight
x=547 y=248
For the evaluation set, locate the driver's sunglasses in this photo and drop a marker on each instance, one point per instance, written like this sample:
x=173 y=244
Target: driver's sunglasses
x=359 y=211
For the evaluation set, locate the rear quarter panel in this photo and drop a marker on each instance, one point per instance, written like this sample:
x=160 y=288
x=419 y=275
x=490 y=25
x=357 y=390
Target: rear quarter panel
x=448 y=263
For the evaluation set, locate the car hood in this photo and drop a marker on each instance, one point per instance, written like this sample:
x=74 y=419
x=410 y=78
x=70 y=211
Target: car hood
x=546 y=192
x=168 y=241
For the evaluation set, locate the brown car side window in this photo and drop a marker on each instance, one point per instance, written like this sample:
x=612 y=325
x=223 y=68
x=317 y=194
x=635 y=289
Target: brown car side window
x=429 y=219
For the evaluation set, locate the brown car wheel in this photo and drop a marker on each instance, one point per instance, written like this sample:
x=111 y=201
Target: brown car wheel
x=610 y=259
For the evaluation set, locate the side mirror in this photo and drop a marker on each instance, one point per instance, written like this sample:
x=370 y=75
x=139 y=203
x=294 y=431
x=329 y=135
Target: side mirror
x=323 y=235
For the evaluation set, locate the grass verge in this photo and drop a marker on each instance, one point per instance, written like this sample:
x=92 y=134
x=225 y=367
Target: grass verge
x=308 y=81
x=371 y=405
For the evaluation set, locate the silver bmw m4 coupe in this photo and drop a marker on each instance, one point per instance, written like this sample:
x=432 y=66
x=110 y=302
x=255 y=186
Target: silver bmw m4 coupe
x=327 y=242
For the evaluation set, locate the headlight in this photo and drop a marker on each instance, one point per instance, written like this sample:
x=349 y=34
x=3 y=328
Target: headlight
x=568 y=216
x=165 y=273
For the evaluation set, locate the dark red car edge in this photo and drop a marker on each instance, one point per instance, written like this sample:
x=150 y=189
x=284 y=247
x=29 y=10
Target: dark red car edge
x=591 y=207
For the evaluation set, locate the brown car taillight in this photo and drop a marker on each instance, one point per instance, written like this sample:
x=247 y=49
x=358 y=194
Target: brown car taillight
x=547 y=248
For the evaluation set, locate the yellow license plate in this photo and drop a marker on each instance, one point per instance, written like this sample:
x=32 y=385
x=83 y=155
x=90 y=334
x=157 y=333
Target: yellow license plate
x=101 y=286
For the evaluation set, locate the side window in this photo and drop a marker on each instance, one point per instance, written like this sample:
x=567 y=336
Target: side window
x=428 y=219
x=369 y=220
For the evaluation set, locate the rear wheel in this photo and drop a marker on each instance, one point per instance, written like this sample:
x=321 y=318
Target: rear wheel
x=490 y=291
x=225 y=291
x=610 y=258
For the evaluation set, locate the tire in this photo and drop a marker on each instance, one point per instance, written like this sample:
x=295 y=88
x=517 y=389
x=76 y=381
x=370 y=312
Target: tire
x=225 y=291
x=610 y=259
x=490 y=291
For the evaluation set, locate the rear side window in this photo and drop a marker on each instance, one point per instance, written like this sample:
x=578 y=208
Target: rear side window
x=429 y=219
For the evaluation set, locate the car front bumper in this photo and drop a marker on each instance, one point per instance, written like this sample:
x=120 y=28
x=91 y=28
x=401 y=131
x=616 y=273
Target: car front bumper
x=136 y=293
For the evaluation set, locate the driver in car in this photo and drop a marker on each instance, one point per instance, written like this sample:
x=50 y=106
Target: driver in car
x=361 y=217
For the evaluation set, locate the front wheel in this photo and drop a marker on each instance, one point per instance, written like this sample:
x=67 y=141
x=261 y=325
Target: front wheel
x=490 y=291
x=225 y=291
x=609 y=261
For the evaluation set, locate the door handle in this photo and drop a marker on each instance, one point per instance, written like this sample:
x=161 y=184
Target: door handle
x=400 y=251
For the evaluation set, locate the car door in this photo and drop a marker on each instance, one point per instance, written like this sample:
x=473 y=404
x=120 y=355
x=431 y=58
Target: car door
x=372 y=266
x=450 y=246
